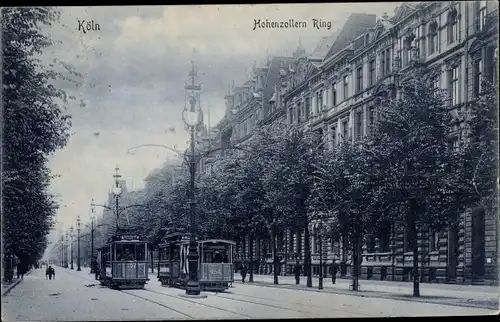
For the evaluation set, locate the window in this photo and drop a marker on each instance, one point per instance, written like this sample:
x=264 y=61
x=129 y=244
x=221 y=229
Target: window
x=433 y=241
x=437 y=82
x=346 y=87
x=371 y=115
x=334 y=94
x=478 y=68
x=490 y=63
x=453 y=86
x=452 y=27
x=382 y=64
x=415 y=44
x=387 y=57
x=320 y=100
x=290 y=113
x=372 y=73
x=384 y=238
x=299 y=116
x=359 y=79
x=307 y=108
x=453 y=144
x=481 y=16
x=433 y=38
x=405 y=51
x=345 y=129
x=299 y=244
x=370 y=244
x=334 y=136
x=359 y=124
x=409 y=241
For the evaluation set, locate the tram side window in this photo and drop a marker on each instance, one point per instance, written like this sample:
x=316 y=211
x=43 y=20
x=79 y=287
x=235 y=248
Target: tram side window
x=208 y=257
x=140 y=253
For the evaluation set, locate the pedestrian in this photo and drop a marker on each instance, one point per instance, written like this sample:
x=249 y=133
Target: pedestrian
x=95 y=268
x=50 y=272
x=334 y=268
x=296 y=271
x=18 y=269
x=243 y=272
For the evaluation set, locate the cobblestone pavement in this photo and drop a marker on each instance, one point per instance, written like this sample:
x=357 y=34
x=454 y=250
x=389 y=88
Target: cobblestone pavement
x=76 y=296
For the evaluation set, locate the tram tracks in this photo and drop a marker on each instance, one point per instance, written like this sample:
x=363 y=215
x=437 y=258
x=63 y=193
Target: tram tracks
x=281 y=301
x=198 y=303
x=228 y=296
x=244 y=301
x=160 y=304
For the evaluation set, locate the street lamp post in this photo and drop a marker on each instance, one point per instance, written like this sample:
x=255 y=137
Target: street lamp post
x=192 y=118
x=320 y=284
x=78 y=223
x=66 y=249
x=72 y=234
x=92 y=219
x=117 y=191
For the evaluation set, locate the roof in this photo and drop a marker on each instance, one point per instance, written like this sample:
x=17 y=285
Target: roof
x=356 y=24
x=324 y=46
x=217 y=241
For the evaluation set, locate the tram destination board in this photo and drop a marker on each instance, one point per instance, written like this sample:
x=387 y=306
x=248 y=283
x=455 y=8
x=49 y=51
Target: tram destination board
x=129 y=237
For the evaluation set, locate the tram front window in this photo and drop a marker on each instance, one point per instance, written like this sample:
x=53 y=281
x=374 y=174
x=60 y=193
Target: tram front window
x=217 y=257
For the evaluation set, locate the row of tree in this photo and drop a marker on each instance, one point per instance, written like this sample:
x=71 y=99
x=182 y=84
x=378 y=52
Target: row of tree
x=414 y=170
x=35 y=124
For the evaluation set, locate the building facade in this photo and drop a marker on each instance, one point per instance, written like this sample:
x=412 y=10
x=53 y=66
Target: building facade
x=336 y=91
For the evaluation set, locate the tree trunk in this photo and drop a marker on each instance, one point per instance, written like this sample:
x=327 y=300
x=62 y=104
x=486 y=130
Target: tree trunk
x=275 y=255
x=152 y=262
x=307 y=257
x=416 y=275
x=355 y=261
x=250 y=265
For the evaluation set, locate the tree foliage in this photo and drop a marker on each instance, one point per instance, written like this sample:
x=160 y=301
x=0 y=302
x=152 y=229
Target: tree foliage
x=36 y=123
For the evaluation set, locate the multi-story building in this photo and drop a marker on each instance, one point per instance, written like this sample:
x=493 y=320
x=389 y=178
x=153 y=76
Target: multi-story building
x=336 y=91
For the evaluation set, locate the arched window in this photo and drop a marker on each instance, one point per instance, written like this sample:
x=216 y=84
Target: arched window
x=452 y=26
x=433 y=38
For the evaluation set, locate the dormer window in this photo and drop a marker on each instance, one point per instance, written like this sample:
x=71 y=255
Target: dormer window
x=452 y=26
x=433 y=38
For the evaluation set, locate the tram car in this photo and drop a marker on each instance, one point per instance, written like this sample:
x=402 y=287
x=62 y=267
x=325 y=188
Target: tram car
x=122 y=262
x=215 y=266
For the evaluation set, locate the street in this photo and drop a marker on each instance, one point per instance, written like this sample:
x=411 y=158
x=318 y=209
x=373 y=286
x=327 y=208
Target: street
x=76 y=296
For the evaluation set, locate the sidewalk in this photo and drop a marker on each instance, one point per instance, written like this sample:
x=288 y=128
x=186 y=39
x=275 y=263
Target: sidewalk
x=7 y=287
x=450 y=294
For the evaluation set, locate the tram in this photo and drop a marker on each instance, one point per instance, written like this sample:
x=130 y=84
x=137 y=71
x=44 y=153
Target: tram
x=215 y=266
x=122 y=262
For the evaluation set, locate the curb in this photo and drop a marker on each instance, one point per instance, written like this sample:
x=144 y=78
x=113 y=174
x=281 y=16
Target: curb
x=374 y=294
x=11 y=286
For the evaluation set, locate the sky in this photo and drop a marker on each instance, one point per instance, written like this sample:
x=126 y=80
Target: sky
x=134 y=70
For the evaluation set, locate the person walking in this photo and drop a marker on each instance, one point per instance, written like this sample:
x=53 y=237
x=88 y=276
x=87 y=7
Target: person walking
x=50 y=272
x=334 y=268
x=18 y=270
x=95 y=268
x=243 y=272
x=297 y=269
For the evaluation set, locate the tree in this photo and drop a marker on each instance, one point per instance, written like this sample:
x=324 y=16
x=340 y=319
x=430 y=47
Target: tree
x=479 y=152
x=289 y=179
x=345 y=189
x=411 y=146
x=35 y=125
